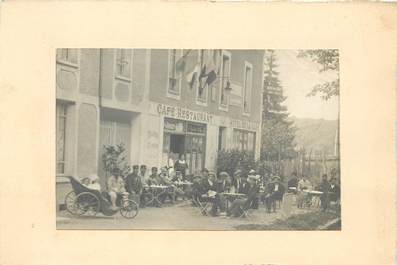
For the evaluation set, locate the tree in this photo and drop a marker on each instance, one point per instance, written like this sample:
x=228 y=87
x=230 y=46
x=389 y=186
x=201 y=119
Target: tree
x=329 y=60
x=278 y=132
x=114 y=159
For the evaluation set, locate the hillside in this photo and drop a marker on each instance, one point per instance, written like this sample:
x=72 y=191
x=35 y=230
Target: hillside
x=316 y=134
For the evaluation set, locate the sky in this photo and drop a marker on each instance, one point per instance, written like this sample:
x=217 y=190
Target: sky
x=298 y=76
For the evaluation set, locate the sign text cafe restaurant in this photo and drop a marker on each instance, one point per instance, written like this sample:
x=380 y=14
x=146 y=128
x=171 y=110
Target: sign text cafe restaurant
x=200 y=135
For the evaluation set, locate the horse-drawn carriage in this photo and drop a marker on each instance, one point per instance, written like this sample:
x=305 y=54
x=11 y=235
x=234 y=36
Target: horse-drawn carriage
x=84 y=201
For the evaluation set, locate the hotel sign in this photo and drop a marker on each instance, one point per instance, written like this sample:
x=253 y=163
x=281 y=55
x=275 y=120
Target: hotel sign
x=183 y=114
x=244 y=125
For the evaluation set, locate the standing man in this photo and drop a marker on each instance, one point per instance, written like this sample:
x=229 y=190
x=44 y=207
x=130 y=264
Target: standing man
x=293 y=182
x=334 y=191
x=142 y=174
x=133 y=184
x=325 y=188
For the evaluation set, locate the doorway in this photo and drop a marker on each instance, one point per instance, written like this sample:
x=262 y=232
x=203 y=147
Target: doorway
x=177 y=143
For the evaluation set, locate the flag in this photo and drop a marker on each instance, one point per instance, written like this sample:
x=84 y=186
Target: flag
x=180 y=64
x=211 y=77
x=202 y=80
x=191 y=77
x=211 y=66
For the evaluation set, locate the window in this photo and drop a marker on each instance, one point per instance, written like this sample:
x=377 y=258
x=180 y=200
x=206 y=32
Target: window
x=61 y=111
x=247 y=87
x=123 y=63
x=175 y=70
x=67 y=56
x=225 y=80
x=222 y=138
x=244 y=140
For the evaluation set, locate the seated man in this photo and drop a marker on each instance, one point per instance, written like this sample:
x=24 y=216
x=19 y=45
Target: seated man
x=237 y=182
x=238 y=205
x=116 y=187
x=165 y=180
x=179 y=190
x=134 y=186
x=274 y=193
x=196 y=189
x=153 y=178
x=217 y=186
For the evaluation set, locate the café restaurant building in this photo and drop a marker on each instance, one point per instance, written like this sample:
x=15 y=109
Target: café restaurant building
x=159 y=103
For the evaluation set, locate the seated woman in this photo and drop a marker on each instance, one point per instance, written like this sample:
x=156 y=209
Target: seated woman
x=116 y=187
x=94 y=182
x=303 y=197
x=86 y=181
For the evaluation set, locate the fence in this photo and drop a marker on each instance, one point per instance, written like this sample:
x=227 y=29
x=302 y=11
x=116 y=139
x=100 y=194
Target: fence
x=312 y=167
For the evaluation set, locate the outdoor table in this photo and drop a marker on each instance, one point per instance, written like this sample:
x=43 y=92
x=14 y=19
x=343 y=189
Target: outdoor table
x=231 y=197
x=315 y=194
x=183 y=183
x=156 y=191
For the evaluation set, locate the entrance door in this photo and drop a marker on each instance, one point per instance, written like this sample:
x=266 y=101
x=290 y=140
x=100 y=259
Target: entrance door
x=177 y=144
x=182 y=137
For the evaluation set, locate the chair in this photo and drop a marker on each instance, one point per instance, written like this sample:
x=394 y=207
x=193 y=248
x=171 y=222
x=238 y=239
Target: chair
x=246 y=210
x=204 y=203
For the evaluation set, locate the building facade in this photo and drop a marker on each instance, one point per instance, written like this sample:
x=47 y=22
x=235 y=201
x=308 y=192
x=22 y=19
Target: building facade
x=159 y=103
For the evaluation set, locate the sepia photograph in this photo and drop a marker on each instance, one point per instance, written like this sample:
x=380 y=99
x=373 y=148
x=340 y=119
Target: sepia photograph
x=197 y=139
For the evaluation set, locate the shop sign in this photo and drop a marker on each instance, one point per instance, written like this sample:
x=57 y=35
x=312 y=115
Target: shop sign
x=174 y=126
x=244 y=125
x=183 y=114
x=196 y=128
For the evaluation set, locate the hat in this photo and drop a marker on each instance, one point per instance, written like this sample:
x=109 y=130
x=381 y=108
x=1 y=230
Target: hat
x=143 y=166
x=154 y=168
x=93 y=177
x=253 y=178
x=223 y=174
x=135 y=167
x=237 y=172
x=205 y=170
x=211 y=173
x=251 y=172
x=276 y=178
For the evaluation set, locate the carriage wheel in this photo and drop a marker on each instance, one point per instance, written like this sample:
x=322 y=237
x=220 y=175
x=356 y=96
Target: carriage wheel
x=87 y=203
x=70 y=199
x=129 y=209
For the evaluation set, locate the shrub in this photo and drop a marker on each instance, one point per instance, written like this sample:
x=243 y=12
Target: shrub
x=114 y=158
x=231 y=160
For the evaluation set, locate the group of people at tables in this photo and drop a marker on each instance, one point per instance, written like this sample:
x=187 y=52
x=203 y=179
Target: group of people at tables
x=227 y=195
x=328 y=190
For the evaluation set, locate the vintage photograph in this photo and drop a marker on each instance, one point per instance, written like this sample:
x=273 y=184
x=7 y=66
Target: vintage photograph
x=197 y=139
